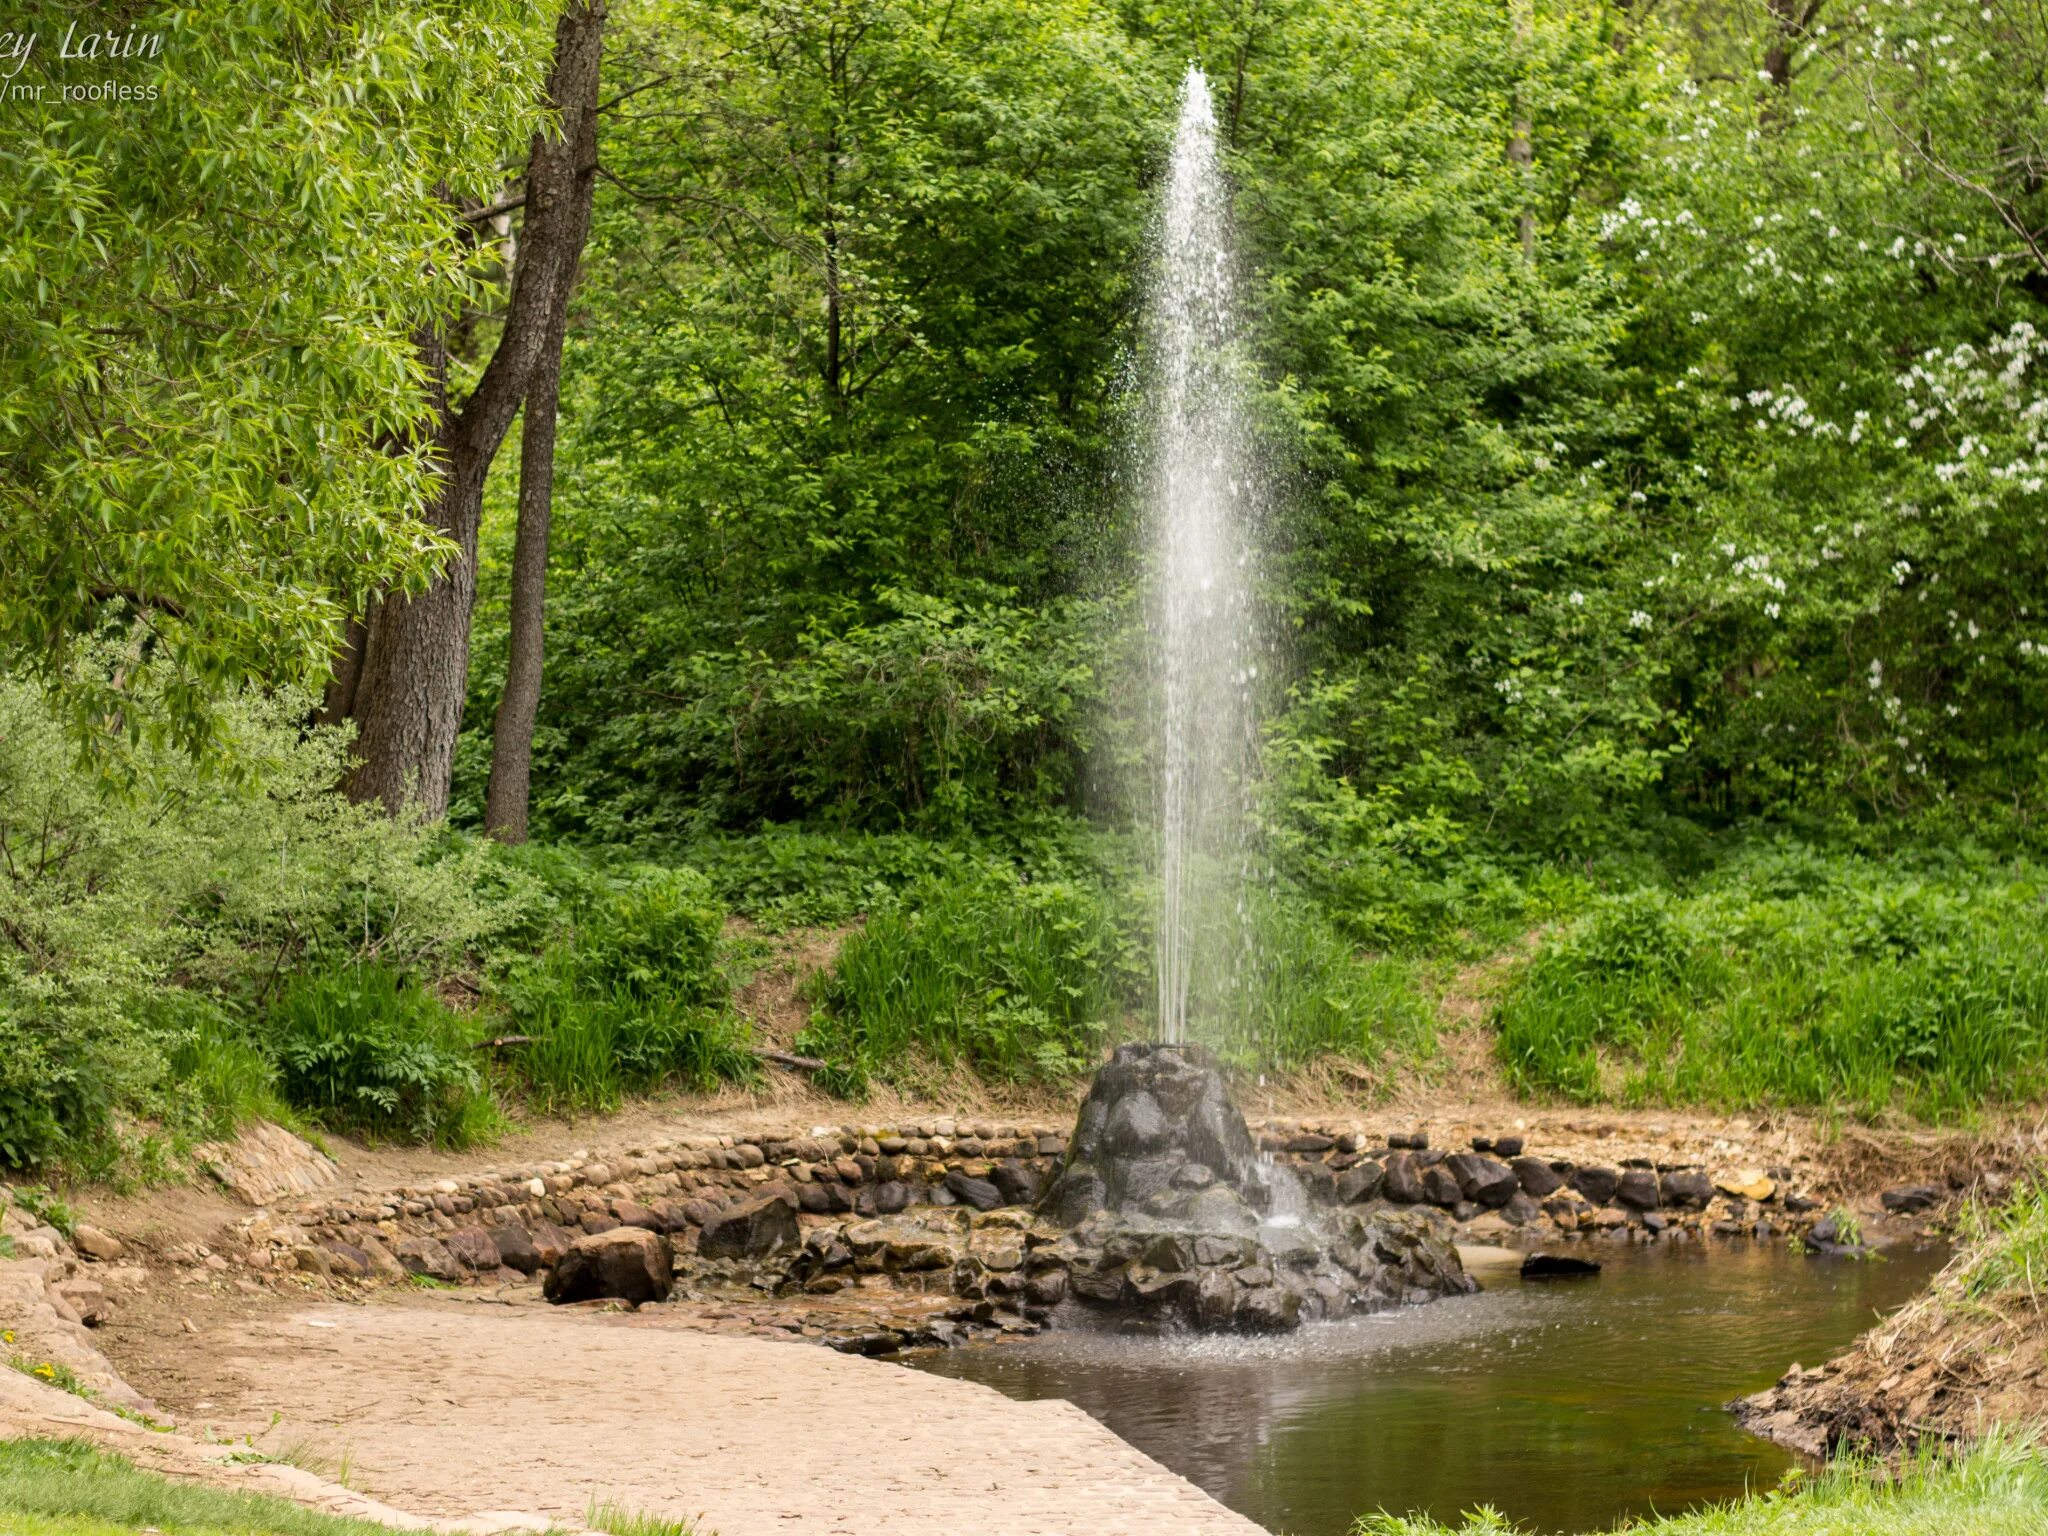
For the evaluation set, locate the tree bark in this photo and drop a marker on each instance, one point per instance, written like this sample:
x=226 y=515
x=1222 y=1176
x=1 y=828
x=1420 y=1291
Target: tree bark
x=414 y=660
x=505 y=805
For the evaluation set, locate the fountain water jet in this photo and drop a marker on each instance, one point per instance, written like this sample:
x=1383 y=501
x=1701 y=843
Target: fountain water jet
x=1204 y=489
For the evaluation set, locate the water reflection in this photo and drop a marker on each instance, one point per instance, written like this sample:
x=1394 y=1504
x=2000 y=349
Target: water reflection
x=1566 y=1406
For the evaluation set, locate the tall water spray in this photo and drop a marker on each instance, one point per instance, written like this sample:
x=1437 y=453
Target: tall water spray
x=1203 y=489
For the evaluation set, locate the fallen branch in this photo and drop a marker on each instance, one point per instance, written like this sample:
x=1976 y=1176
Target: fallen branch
x=497 y=1040
x=786 y=1059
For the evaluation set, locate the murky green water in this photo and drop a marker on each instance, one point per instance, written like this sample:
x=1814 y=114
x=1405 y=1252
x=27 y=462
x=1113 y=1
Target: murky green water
x=1566 y=1405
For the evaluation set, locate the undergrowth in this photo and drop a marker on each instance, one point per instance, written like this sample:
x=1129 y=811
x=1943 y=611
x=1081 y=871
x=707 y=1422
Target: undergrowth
x=2000 y=1488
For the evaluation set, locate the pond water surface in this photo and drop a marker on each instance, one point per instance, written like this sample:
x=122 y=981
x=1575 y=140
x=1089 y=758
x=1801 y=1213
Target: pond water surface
x=1566 y=1405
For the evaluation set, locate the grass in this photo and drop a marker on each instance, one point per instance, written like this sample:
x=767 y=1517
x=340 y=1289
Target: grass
x=616 y=1520
x=2000 y=1488
x=1792 y=979
x=70 y=1488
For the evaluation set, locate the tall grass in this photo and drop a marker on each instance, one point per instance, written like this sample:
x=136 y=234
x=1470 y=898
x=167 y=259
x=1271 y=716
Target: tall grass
x=1851 y=987
x=2000 y=1488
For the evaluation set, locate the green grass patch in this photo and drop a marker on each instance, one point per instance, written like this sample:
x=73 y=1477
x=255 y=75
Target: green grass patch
x=1998 y=1489
x=617 y=1520
x=69 y=1488
x=1791 y=979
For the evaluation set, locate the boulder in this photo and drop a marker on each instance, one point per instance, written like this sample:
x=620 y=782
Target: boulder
x=1746 y=1184
x=1440 y=1186
x=1482 y=1179
x=968 y=1190
x=473 y=1248
x=1360 y=1183
x=624 y=1264
x=425 y=1256
x=1537 y=1178
x=1637 y=1189
x=516 y=1249
x=1596 y=1184
x=1017 y=1183
x=1687 y=1190
x=1507 y=1146
x=750 y=1229
x=91 y=1242
x=1403 y=1182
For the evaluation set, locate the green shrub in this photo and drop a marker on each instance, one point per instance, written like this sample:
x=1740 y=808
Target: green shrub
x=629 y=996
x=1017 y=980
x=367 y=1049
x=1843 y=983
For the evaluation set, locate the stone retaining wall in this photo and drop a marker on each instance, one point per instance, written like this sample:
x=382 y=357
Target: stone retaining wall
x=519 y=1218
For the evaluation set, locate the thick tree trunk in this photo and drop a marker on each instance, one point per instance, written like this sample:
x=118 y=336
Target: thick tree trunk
x=414 y=662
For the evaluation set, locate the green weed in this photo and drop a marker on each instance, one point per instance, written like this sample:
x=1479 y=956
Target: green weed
x=616 y=1520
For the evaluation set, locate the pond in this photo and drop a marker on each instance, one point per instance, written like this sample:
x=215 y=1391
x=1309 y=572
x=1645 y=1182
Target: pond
x=1567 y=1405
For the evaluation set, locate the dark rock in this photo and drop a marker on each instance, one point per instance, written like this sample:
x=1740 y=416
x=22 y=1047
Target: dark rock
x=1687 y=1190
x=1521 y=1209
x=1482 y=1179
x=1467 y=1210
x=1537 y=1177
x=1911 y=1199
x=425 y=1256
x=1019 y=1185
x=1440 y=1187
x=1360 y=1183
x=516 y=1249
x=1507 y=1146
x=1308 y=1141
x=891 y=1197
x=595 y=1222
x=1638 y=1190
x=550 y=1242
x=632 y=1213
x=1799 y=1205
x=1136 y=1125
x=1413 y=1141
x=1403 y=1183
x=1596 y=1184
x=1546 y=1266
x=751 y=1229
x=968 y=1190
x=473 y=1248
x=1482 y=1143
x=1194 y=1176
x=624 y=1264
x=1655 y=1221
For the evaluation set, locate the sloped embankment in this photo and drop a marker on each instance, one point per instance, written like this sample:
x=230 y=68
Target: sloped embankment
x=1970 y=1354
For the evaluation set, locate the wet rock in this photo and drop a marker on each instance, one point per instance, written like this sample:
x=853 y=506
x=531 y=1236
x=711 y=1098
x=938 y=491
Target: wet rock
x=1537 y=1178
x=1637 y=1189
x=1483 y=1180
x=1017 y=1183
x=1596 y=1184
x=1546 y=1266
x=1911 y=1199
x=1136 y=1125
x=1360 y=1183
x=624 y=1264
x=1687 y=1190
x=751 y=1229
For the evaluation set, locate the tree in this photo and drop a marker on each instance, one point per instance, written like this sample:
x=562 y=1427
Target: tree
x=563 y=170
x=208 y=302
x=402 y=683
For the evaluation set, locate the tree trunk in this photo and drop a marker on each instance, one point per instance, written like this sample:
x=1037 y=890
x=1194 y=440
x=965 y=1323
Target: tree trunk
x=414 y=660
x=512 y=731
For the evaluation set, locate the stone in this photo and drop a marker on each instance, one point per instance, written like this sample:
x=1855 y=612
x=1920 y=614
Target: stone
x=1522 y=1209
x=1018 y=1184
x=1360 y=1183
x=1637 y=1189
x=624 y=1264
x=1136 y=1125
x=1308 y=1142
x=749 y=1229
x=1911 y=1199
x=968 y=1190
x=347 y=1260
x=631 y=1213
x=1509 y=1147
x=1412 y=1141
x=1403 y=1182
x=474 y=1249
x=94 y=1244
x=1596 y=1184
x=1537 y=1178
x=86 y=1298
x=516 y=1249
x=425 y=1256
x=1746 y=1184
x=1655 y=1221
x=1686 y=1190
x=1440 y=1186
x=1547 y=1266
x=1482 y=1179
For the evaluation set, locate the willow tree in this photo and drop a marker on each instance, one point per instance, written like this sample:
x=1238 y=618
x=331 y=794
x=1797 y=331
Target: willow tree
x=214 y=414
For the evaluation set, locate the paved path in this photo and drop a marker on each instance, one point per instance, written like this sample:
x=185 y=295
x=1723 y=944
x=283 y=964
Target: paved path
x=461 y=1407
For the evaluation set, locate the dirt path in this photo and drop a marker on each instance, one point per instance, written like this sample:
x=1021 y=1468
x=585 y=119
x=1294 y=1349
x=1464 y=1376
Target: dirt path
x=451 y=1406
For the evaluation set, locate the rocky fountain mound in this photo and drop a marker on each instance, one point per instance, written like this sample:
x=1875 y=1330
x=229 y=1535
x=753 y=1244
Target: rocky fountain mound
x=1172 y=1218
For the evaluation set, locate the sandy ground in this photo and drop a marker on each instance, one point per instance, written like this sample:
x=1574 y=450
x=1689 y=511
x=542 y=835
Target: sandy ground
x=451 y=1405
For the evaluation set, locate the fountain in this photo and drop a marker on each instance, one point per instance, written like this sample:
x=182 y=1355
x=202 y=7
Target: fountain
x=1172 y=1215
